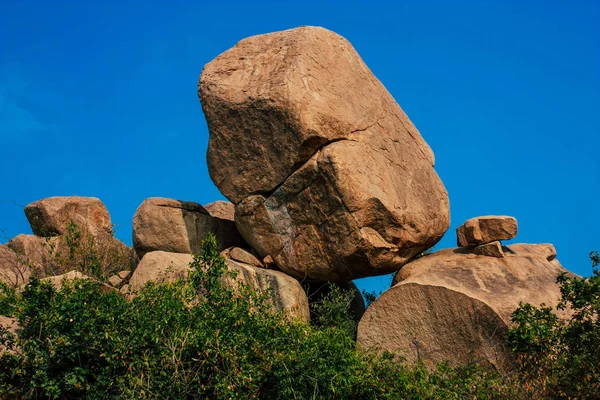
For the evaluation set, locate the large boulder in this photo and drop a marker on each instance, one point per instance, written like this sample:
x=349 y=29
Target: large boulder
x=328 y=174
x=51 y=216
x=286 y=292
x=482 y=230
x=455 y=305
x=178 y=226
x=14 y=268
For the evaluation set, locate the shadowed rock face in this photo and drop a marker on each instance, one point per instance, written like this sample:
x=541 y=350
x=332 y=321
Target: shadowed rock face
x=454 y=305
x=433 y=323
x=329 y=176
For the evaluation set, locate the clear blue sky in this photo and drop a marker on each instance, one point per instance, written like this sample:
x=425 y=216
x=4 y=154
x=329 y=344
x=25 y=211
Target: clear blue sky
x=99 y=99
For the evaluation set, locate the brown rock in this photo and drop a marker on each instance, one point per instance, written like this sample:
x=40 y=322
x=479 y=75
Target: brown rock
x=115 y=281
x=54 y=255
x=241 y=255
x=493 y=249
x=523 y=275
x=432 y=323
x=487 y=229
x=38 y=250
x=328 y=174
x=178 y=227
x=453 y=300
x=221 y=209
x=124 y=274
x=15 y=269
x=287 y=293
x=51 y=216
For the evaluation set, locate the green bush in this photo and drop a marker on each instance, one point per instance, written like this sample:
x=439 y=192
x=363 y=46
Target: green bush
x=202 y=339
x=562 y=357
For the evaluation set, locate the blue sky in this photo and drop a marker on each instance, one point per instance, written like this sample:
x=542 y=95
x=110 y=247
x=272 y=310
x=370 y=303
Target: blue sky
x=99 y=99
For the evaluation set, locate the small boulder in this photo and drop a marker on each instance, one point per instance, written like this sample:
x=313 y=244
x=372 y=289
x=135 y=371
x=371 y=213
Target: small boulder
x=221 y=209
x=176 y=226
x=51 y=216
x=481 y=230
x=493 y=249
x=241 y=255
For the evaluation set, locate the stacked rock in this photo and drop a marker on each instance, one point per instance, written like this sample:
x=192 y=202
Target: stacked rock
x=455 y=304
x=483 y=234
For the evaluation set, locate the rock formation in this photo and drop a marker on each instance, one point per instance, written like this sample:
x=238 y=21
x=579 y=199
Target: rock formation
x=178 y=226
x=456 y=304
x=329 y=176
x=287 y=293
x=482 y=230
x=51 y=216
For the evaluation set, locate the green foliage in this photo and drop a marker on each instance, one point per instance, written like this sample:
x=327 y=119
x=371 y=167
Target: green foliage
x=563 y=356
x=201 y=338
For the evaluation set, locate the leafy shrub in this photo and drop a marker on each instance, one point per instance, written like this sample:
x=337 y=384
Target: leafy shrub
x=97 y=256
x=202 y=339
x=562 y=357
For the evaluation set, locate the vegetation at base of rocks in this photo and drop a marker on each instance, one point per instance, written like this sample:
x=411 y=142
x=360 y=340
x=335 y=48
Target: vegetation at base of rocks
x=562 y=357
x=78 y=250
x=201 y=339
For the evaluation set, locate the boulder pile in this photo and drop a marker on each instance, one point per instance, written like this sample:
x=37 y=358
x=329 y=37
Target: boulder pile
x=328 y=181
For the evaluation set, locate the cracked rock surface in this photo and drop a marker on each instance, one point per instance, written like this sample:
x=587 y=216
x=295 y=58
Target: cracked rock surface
x=329 y=176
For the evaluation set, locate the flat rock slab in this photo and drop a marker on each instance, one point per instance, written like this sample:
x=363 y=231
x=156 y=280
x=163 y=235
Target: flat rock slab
x=51 y=216
x=329 y=176
x=481 y=230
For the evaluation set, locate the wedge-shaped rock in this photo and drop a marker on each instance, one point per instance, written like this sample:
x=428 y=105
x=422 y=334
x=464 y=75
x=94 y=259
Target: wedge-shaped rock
x=481 y=230
x=328 y=174
x=179 y=227
x=454 y=305
x=286 y=292
x=51 y=216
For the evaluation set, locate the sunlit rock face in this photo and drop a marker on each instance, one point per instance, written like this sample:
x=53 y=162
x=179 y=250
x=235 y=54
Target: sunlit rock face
x=329 y=176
